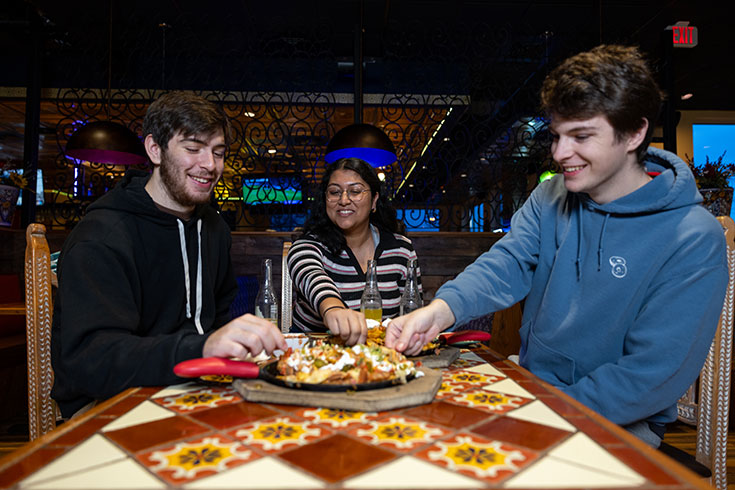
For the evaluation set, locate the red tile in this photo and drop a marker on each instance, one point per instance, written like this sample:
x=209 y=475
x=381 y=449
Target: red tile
x=489 y=356
x=521 y=433
x=233 y=415
x=28 y=465
x=286 y=408
x=643 y=466
x=561 y=407
x=82 y=432
x=595 y=431
x=447 y=414
x=125 y=405
x=156 y=433
x=533 y=387
x=337 y=457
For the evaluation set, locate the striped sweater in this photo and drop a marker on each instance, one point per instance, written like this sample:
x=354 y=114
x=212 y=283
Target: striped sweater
x=318 y=274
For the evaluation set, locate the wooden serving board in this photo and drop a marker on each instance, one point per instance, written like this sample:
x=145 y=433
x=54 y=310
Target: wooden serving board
x=445 y=357
x=418 y=391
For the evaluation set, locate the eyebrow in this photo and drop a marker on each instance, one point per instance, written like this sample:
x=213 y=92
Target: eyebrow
x=577 y=129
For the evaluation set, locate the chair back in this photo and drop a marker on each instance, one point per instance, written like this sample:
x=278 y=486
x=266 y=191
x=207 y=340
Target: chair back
x=707 y=402
x=286 y=291
x=42 y=410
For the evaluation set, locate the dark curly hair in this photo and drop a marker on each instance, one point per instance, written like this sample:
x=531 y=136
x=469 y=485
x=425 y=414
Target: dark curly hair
x=319 y=226
x=609 y=80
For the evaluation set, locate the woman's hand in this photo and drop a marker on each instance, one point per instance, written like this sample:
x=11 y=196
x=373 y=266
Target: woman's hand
x=409 y=333
x=348 y=324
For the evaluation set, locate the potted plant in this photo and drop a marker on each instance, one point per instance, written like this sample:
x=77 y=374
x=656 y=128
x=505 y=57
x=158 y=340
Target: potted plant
x=713 y=181
x=11 y=182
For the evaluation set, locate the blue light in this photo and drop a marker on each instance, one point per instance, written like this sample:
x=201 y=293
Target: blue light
x=374 y=156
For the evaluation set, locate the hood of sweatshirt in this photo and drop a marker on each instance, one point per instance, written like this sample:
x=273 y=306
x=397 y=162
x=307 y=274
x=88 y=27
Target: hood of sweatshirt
x=130 y=196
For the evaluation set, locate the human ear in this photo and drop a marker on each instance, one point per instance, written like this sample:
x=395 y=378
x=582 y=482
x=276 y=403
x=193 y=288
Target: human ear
x=375 y=200
x=636 y=137
x=153 y=149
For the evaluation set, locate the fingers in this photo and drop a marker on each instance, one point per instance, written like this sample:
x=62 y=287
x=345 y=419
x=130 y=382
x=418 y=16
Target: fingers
x=347 y=324
x=244 y=335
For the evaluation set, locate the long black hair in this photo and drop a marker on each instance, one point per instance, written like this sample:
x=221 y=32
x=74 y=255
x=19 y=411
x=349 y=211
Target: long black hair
x=319 y=225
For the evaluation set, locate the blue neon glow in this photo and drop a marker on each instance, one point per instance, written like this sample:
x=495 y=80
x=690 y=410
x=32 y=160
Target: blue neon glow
x=374 y=156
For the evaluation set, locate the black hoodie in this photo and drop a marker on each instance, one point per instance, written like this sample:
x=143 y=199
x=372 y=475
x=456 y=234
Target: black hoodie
x=129 y=307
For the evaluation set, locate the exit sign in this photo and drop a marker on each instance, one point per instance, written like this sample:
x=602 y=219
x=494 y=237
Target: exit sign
x=683 y=35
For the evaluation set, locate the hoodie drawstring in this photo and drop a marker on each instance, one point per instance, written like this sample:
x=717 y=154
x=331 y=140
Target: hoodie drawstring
x=187 y=277
x=579 y=242
x=602 y=239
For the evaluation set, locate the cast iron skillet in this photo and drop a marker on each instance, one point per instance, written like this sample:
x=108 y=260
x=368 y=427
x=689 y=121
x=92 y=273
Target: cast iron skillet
x=203 y=366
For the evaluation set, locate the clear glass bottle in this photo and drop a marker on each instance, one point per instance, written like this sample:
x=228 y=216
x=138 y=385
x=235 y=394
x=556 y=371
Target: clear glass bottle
x=411 y=297
x=266 y=303
x=371 y=304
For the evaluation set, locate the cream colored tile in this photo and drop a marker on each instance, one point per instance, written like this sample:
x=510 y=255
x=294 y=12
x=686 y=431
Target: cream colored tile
x=145 y=412
x=122 y=474
x=486 y=369
x=554 y=473
x=177 y=389
x=94 y=452
x=583 y=451
x=509 y=387
x=262 y=473
x=408 y=472
x=539 y=413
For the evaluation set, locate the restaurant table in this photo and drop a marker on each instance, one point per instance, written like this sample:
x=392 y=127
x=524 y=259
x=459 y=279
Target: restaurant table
x=492 y=424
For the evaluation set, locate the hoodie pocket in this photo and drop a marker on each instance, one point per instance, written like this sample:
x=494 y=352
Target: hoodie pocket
x=546 y=362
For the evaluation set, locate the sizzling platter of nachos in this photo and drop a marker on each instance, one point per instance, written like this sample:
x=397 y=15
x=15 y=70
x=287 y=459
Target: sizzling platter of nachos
x=326 y=363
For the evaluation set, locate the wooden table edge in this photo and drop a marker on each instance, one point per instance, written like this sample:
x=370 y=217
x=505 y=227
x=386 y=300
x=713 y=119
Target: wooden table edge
x=12 y=458
x=658 y=456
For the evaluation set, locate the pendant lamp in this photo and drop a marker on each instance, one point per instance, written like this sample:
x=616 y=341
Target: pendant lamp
x=363 y=141
x=106 y=142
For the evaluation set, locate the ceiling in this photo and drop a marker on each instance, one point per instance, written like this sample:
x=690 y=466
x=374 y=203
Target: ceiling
x=307 y=46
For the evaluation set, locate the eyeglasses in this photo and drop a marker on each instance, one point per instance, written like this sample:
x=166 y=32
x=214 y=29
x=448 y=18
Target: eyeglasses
x=354 y=194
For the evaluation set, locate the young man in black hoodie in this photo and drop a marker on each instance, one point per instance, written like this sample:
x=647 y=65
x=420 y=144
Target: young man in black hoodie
x=145 y=279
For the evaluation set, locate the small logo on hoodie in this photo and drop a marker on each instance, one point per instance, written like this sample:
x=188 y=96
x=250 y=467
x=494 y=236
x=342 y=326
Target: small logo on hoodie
x=619 y=269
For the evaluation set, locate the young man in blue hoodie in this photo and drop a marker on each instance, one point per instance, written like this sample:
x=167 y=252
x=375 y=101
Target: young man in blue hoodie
x=623 y=271
x=145 y=279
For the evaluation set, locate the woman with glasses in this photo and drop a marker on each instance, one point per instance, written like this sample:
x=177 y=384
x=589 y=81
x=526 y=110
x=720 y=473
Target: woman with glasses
x=351 y=223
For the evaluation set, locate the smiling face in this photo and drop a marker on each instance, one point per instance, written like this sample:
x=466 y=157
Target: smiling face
x=594 y=160
x=349 y=214
x=186 y=172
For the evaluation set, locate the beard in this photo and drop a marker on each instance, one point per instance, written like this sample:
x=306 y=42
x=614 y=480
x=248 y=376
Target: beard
x=174 y=179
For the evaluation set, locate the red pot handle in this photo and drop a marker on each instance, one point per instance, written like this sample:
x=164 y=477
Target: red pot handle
x=193 y=368
x=465 y=336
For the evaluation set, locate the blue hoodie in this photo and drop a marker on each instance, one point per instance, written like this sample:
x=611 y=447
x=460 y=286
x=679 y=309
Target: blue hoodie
x=622 y=299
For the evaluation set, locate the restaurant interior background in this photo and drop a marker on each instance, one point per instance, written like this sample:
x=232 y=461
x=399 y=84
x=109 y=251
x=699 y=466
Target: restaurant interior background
x=453 y=83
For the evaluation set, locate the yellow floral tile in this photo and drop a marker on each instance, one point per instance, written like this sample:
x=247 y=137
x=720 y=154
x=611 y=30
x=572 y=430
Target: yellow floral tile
x=275 y=434
x=199 y=399
x=467 y=360
x=401 y=433
x=489 y=401
x=450 y=388
x=491 y=461
x=468 y=377
x=336 y=417
x=191 y=460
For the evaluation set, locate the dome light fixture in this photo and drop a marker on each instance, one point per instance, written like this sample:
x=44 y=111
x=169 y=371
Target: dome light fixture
x=106 y=142
x=363 y=141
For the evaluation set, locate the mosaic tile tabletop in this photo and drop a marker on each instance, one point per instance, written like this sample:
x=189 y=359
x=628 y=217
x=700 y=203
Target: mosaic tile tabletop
x=491 y=425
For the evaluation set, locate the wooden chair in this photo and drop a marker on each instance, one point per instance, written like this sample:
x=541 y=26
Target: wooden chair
x=286 y=291
x=42 y=410
x=707 y=402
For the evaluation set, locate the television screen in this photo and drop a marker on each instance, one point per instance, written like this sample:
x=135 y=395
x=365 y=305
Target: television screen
x=273 y=190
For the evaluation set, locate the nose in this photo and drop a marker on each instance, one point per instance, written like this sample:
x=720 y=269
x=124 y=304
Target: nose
x=208 y=161
x=561 y=149
x=343 y=198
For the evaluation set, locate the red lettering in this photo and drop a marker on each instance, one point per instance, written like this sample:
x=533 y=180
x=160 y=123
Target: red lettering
x=691 y=34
